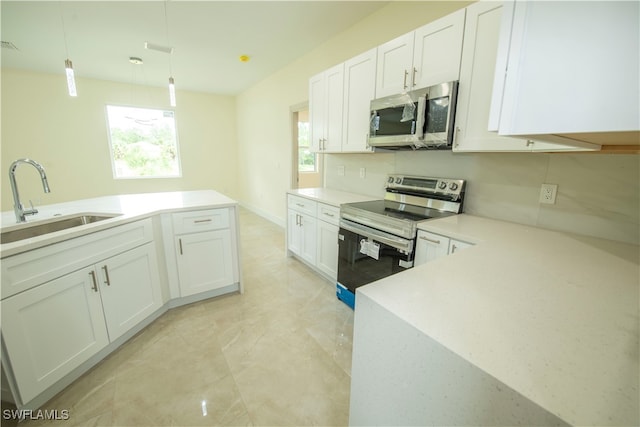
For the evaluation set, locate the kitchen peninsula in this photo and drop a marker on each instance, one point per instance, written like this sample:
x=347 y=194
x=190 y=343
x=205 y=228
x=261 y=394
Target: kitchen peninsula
x=527 y=327
x=71 y=297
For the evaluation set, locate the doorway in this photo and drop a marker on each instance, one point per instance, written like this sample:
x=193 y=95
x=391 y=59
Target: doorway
x=307 y=165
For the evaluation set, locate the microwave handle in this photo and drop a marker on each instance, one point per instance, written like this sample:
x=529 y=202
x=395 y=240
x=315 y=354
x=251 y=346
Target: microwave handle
x=421 y=116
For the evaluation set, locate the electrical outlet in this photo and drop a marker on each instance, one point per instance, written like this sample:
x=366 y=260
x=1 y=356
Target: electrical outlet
x=363 y=172
x=548 y=193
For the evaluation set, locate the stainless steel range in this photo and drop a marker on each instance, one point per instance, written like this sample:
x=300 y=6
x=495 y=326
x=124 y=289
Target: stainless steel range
x=377 y=238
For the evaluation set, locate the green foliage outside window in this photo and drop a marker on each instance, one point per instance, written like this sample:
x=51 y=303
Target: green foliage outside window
x=306 y=159
x=143 y=142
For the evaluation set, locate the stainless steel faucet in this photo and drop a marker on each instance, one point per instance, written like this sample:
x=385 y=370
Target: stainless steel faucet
x=21 y=213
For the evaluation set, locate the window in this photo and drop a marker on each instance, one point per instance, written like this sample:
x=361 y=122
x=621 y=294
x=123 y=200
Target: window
x=307 y=161
x=143 y=142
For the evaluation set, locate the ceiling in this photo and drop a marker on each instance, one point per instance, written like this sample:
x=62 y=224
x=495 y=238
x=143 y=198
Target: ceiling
x=208 y=38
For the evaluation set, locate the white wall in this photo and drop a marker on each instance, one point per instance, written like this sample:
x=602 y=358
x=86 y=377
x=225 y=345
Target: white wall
x=69 y=137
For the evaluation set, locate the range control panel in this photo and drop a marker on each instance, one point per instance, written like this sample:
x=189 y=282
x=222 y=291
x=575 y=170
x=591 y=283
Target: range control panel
x=426 y=185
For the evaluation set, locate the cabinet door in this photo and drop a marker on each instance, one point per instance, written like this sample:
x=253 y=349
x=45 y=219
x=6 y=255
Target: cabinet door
x=477 y=71
x=553 y=60
x=482 y=30
x=51 y=329
x=359 y=90
x=437 y=50
x=205 y=261
x=317 y=103
x=308 y=238
x=394 y=61
x=457 y=245
x=430 y=246
x=130 y=288
x=333 y=108
x=326 y=92
x=294 y=238
x=327 y=238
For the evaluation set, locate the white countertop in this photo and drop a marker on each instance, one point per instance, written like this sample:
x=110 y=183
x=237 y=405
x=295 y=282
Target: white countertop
x=330 y=196
x=129 y=207
x=553 y=315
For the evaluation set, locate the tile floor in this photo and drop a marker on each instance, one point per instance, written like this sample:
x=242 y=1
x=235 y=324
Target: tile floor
x=280 y=354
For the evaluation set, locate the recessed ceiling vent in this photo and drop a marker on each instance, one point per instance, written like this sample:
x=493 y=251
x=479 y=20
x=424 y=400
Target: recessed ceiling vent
x=9 y=45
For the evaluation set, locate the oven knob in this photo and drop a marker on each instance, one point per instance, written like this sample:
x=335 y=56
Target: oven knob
x=390 y=180
x=442 y=185
x=453 y=186
x=398 y=180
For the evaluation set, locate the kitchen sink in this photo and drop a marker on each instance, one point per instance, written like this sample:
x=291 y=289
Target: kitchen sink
x=40 y=229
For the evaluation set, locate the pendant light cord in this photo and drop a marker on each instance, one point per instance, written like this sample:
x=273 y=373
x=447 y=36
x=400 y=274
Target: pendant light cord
x=166 y=24
x=64 y=31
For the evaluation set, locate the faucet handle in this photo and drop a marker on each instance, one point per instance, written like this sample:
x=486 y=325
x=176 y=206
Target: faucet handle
x=31 y=211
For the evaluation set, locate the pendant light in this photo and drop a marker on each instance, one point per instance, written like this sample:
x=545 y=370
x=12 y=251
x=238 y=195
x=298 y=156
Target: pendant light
x=172 y=92
x=68 y=65
x=172 y=86
x=71 y=80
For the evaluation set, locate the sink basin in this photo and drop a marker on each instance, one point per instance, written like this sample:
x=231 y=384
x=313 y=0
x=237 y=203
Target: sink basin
x=35 y=230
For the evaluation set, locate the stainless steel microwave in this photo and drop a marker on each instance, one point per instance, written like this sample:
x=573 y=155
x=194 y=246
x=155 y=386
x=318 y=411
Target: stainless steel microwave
x=422 y=118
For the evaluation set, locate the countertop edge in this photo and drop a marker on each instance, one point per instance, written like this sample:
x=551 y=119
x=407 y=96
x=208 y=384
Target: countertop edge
x=112 y=205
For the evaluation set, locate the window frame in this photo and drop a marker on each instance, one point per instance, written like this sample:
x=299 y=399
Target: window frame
x=111 y=156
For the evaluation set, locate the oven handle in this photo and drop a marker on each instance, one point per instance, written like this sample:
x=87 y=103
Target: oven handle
x=399 y=243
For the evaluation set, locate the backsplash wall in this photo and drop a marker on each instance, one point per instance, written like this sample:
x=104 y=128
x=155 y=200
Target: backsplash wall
x=598 y=194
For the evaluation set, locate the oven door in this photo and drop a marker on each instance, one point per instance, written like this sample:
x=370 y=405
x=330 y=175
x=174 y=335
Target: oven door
x=366 y=254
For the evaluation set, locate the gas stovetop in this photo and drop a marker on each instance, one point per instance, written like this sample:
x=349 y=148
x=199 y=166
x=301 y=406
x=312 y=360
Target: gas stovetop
x=408 y=201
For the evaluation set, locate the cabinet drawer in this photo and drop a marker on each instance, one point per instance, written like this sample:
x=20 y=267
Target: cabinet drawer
x=301 y=204
x=26 y=270
x=328 y=213
x=196 y=221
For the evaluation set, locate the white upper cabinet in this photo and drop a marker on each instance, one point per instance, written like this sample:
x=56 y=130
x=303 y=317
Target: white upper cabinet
x=477 y=69
x=437 y=51
x=427 y=56
x=568 y=69
x=326 y=91
x=359 y=90
x=395 y=60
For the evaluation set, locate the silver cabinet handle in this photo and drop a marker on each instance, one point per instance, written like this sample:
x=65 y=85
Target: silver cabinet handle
x=180 y=244
x=404 y=82
x=413 y=77
x=453 y=248
x=329 y=214
x=198 y=221
x=106 y=275
x=300 y=205
x=93 y=279
x=437 y=242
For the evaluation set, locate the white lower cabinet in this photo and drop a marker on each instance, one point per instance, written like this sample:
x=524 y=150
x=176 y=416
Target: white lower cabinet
x=52 y=329
x=129 y=286
x=205 y=250
x=301 y=228
x=431 y=246
x=327 y=240
x=204 y=261
x=457 y=245
x=312 y=234
x=54 y=326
